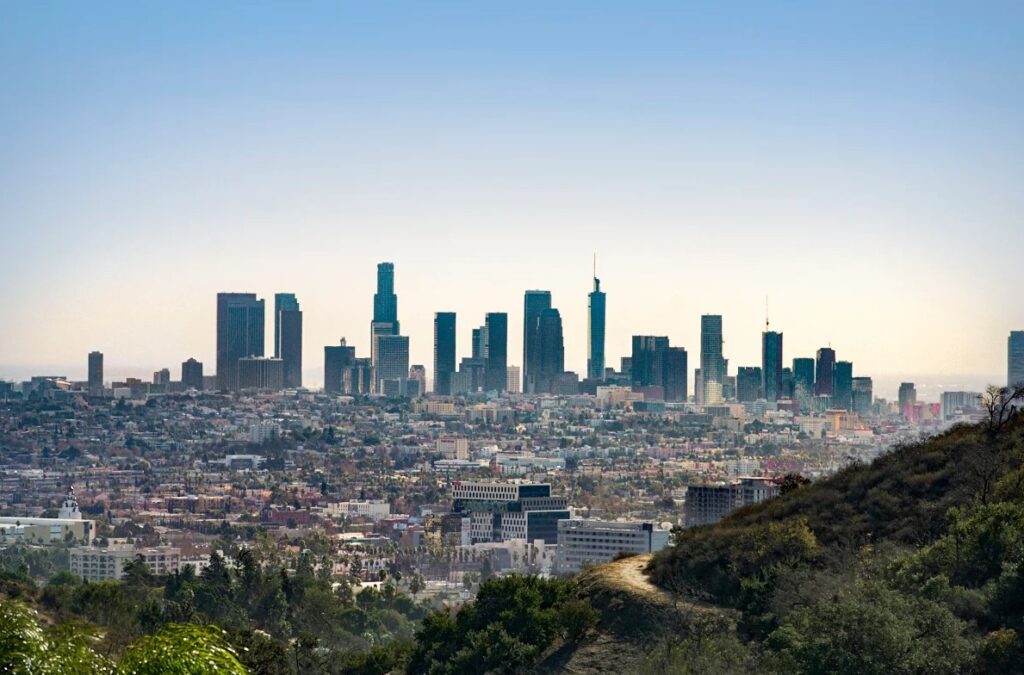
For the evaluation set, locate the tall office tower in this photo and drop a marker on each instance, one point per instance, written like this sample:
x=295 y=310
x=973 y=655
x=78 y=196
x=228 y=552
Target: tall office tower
x=338 y=361
x=418 y=373
x=444 y=352
x=712 y=364
x=550 y=351
x=392 y=359
x=514 y=384
x=258 y=372
x=803 y=378
x=595 y=332
x=496 y=359
x=788 y=390
x=162 y=376
x=842 y=396
x=907 y=399
x=240 y=327
x=192 y=375
x=534 y=302
x=648 y=361
x=748 y=384
x=288 y=337
x=626 y=367
x=95 y=373
x=385 y=302
x=676 y=372
x=478 y=347
x=771 y=364
x=824 y=372
x=1015 y=358
x=863 y=395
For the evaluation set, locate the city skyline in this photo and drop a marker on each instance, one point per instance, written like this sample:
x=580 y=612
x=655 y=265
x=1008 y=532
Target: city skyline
x=155 y=158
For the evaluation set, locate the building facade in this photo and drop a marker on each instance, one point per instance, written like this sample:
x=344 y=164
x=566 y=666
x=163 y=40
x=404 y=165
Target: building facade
x=444 y=352
x=592 y=542
x=240 y=334
x=595 y=332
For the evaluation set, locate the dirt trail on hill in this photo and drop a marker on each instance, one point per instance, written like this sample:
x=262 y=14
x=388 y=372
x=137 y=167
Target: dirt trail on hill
x=628 y=574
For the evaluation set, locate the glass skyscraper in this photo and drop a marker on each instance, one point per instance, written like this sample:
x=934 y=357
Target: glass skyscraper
x=385 y=302
x=712 y=363
x=550 y=350
x=842 y=396
x=824 y=372
x=444 y=352
x=771 y=365
x=1015 y=358
x=496 y=350
x=240 y=334
x=95 y=372
x=534 y=302
x=595 y=332
x=803 y=379
x=288 y=337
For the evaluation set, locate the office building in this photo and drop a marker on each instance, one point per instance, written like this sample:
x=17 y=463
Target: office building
x=444 y=352
x=288 y=337
x=842 y=379
x=240 y=328
x=707 y=504
x=501 y=511
x=534 y=302
x=453 y=447
x=803 y=380
x=647 y=363
x=712 y=362
x=748 y=384
x=592 y=542
x=771 y=365
x=392 y=359
x=676 y=374
x=258 y=372
x=550 y=355
x=907 y=399
x=824 y=372
x=863 y=397
x=384 y=325
x=514 y=383
x=162 y=377
x=959 y=404
x=338 y=360
x=192 y=375
x=95 y=373
x=385 y=302
x=1015 y=358
x=595 y=332
x=496 y=352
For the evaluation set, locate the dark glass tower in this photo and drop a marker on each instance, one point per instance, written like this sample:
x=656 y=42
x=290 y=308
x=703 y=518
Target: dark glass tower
x=496 y=351
x=444 y=352
x=648 y=361
x=385 y=302
x=595 y=332
x=550 y=350
x=712 y=363
x=748 y=384
x=338 y=360
x=803 y=378
x=771 y=364
x=288 y=337
x=192 y=375
x=95 y=373
x=842 y=379
x=240 y=333
x=534 y=303
x=824 y=372
x=675 y=374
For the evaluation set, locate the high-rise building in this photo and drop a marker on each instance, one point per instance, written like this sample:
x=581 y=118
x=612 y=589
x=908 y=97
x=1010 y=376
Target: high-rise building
x=824 y=372
x=392 y=359
x=240 y=330
x=496 y=358
x=748 y=384
x=337 y=360
x=863 y=396
x=95 y=373
x=162 y=376
x=676 y=372
x=192 y=375
x=595 y=332
x=803 y=379
x=385 y=302
x=907 y=399
x=648 y=361
x=1015 y=358
x=534 y=302
x=550 y=351
x=258 y=372
x=842 y=394
x=514 y=385
x=288 y=337
x=712 y=363
x=444 y=352
x=771 y=364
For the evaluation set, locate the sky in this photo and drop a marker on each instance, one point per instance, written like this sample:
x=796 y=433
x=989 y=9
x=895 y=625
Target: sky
x=859 y=164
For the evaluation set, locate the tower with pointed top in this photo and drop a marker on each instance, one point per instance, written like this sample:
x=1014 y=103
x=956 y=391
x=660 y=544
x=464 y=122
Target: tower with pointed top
x=595 y=330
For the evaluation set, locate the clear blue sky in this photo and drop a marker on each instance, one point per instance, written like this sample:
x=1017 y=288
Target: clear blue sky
x=858 y=162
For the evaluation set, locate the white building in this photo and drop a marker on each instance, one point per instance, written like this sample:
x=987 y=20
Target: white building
x=94 y=563
x=513 y=384
x=372 y=509
x=263 y=431
x=67 y=526
x=453 y=448
x=591 y=542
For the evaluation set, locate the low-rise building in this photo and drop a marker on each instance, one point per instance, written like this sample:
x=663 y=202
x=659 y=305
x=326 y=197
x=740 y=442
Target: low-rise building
x=95 y=563
x=590 y=542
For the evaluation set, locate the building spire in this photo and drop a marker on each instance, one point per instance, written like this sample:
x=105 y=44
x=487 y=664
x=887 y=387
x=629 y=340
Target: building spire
x=767 y=324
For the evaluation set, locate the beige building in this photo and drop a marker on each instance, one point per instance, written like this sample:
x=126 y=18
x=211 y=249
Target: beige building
x=94 y=563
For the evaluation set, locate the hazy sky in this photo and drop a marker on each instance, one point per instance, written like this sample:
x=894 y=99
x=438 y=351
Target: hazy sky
x=859 y=162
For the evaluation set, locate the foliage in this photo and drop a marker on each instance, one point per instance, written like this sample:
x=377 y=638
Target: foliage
x=182 y=650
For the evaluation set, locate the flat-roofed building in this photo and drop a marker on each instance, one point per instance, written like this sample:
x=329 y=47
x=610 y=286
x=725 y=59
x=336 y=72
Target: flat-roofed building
x=591 y=542
x=94 y=563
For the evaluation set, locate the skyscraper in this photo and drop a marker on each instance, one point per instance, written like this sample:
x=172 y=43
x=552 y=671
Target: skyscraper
x=863 y=395
x=907 y=399
x=1015 y=358
x=288 y=337
x=534 y=302
x=338 y=361
x=392 y=359
x=240 y=332
x=771 y=364
x=675 y=373
x=842 y=396
x=748 y=384
x=712 y=363
x=95 y=373
x=192 y=375
x=595 y=332
x=803 y=379
x=824 y=372
x=444 y=352
x=496 y=359
x=385 y=302
x=550 y=351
